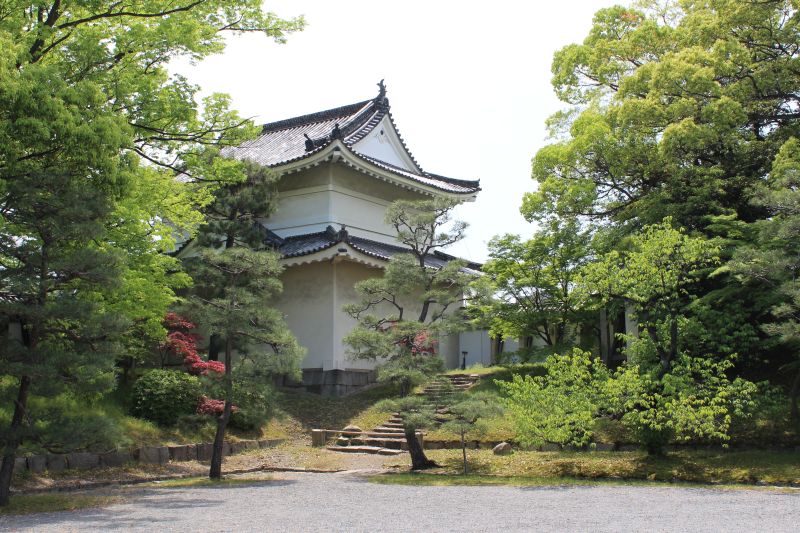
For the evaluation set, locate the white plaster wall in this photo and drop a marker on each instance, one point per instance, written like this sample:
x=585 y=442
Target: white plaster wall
x=383 y=143
x=298 y=212
x=510 y=345
x=307 y=302
x=478 y=344
x=346 y=275
x=449 y=351
x=335 y=194
x=363 y=215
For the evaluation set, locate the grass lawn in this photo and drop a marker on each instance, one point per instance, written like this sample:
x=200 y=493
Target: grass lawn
x=782 y=468
x=49 y=503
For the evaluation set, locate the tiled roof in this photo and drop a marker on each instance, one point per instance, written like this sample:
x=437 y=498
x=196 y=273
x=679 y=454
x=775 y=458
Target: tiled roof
x=294 y=139
x=300 y=245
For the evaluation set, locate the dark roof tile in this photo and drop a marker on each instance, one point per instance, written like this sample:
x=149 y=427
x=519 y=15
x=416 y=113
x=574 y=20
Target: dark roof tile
x=300 y=245
x=285 y=141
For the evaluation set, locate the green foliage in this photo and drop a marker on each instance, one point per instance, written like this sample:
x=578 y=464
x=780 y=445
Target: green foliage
x=695 y=402
x=406 y=310
x=561 y=406
x=407 y=371
x=673 y=114
x=655 y=274
x=163 y=396
x=773 y=262
x=417 y=412
x=242 y=283
x=93 y=130
x=529 y=287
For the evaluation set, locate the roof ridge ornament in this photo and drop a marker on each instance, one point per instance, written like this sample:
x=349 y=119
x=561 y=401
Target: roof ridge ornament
x=309 y=142
x=381 y=99
x=336 y=133
x=342 y=235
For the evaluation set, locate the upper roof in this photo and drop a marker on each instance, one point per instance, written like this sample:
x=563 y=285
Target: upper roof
x=292 y=140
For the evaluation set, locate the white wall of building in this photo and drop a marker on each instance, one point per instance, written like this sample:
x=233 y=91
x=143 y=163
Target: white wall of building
x=335 y=195
x=383 y=144
x=478 y=346
x=307 y=303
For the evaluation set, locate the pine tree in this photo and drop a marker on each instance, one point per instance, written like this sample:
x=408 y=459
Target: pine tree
x=423 y=302
x=235 y=279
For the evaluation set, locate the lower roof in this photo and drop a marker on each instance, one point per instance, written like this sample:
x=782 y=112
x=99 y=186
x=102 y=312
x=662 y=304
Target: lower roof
x=310 y=243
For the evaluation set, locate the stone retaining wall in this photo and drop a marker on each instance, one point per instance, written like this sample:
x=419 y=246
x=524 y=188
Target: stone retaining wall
x=146 y=454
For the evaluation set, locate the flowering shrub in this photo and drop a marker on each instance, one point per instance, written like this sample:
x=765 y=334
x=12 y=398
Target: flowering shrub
x=198 y=367
x=181 y=343
x=210 y=406
x=423 y=344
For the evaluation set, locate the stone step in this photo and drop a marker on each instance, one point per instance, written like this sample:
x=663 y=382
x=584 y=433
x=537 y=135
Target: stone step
x=384 y=434
x=398 y=425
x=392 y=444
x=365 y=449
x=383 y=429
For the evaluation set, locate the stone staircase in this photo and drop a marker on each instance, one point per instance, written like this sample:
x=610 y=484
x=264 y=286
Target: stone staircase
x=389 y=437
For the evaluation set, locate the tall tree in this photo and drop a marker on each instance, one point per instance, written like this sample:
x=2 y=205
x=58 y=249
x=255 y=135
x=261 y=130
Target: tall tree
x=677 y=111
x=529 y=286
x=236 y=278
x=85 y=98
x=655 y=275
x=773 y=263
x=53 y=278
x=240 y=315
x=413 y=300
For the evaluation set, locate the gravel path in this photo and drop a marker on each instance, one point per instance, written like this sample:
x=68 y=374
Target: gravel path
x=345 y=502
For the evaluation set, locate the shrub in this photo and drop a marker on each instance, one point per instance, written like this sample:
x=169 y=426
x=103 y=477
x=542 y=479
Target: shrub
x=164 y=395
x=66 y=424
x=246 y=420
x=560 y=406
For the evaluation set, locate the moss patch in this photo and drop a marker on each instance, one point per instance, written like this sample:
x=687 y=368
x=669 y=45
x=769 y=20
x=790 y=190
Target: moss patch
x=750 y=467
x=50 y=503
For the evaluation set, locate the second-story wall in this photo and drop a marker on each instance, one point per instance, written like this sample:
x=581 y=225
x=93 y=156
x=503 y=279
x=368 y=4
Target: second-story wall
x=334 y=194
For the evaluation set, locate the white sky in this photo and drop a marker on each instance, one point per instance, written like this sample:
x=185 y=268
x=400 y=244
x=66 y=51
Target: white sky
x=468 y=82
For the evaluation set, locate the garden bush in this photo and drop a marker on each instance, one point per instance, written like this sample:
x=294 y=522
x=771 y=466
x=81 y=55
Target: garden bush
x=163 y=396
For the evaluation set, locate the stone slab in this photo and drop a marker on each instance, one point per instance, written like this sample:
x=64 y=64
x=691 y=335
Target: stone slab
x=243 y=446
x=204 y=451
x=56 y=463
x=37 y=463
x=271 y=443
x=153 y=454
x=187 y=452
x=112 y=459
x=83 y=460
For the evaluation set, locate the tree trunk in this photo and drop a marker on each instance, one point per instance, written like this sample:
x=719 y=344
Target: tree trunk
x=14 y=440
x=464 y=451
x=418 y=459
x=222 y=422
x=793 y=394
x=213 y=347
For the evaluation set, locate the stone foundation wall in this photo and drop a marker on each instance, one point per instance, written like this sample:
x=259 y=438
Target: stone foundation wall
x=337 y=382
x=145 y=454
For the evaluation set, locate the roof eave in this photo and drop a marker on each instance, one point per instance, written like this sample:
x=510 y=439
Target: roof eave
x=338 y=151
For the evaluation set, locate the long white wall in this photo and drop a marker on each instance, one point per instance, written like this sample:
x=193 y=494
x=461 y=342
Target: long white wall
x=307 y=302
